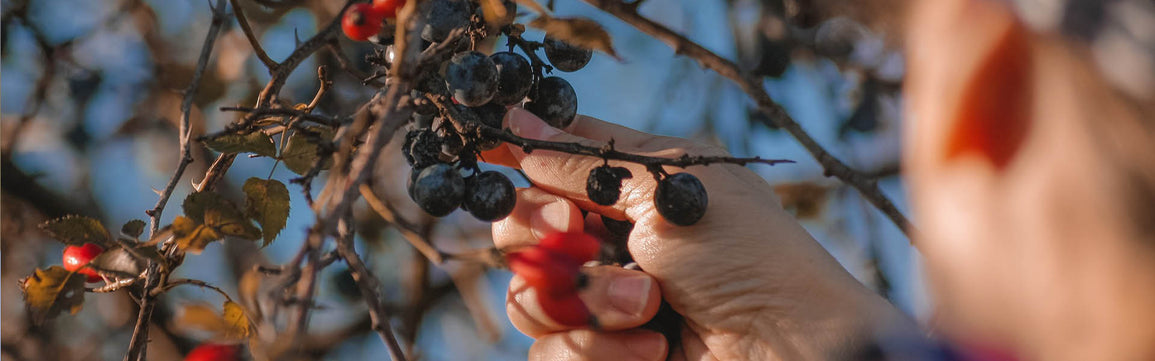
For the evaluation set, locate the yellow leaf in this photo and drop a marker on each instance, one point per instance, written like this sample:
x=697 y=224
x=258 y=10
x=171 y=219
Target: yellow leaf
x=229 y=226
x=192 y=237
x=233 y=325
x=51 y=291
x=236 y=323
x=497 y=14
x=580 y=32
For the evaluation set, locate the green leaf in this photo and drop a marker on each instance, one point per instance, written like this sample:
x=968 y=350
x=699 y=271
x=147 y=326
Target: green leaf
x=217 y=213
x=268 y=204
x=77 y=230
x=255 y=142
x=49 y=292
x=301 y=152
x=198 y=204
x=133 y=228
x=191 y=236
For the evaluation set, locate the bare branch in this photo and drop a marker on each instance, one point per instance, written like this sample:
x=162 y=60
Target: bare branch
x=248 y=30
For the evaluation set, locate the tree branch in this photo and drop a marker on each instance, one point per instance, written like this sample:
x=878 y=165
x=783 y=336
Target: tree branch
x=776 y=115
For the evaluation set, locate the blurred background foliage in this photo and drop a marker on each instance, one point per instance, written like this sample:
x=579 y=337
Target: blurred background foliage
x=90 y=93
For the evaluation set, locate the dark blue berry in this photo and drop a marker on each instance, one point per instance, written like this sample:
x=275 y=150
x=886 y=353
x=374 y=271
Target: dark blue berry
x=471 y=78
x=439 y=189
x=681 y=199
x=565 y=56
x=555 y=102
x=514 y=78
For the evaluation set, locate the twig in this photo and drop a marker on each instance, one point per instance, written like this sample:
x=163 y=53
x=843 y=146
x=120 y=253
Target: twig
x=248 y=30
x=410 y=231
x=186 y=281
x=774 y=112
x=369 y=286
x=138 y=345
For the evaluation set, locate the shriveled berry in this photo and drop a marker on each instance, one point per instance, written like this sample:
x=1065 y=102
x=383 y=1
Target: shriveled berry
x=579 y=246
x=565 y=56
x=442 y=16
x=681 y=199
x=514 y=78
x=76 y=258
x=566 y=309
x=439 y=190
x=451 y=144
x=361 y=22
x=472 y=78
x=489 y=196
x=422 y=148
x=432 y=83
x=555 y=102
x=604 y=184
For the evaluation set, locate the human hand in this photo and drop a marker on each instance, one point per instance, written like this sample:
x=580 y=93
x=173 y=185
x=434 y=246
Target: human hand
x=750 y=282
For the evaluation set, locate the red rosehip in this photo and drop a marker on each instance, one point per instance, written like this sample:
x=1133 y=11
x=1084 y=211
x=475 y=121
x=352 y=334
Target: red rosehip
x=214 y=352
x=76 y=258
x=388 y=8
x=580 y=246
x=362 y=21
x=545 y=271
x=566 y=309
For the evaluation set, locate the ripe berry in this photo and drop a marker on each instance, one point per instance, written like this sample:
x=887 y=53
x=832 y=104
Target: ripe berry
x=490 y=114
x=438 y=189
x=545 y=271
x=472 y=78
x=76 y=258
x=578 y=246
x=604 y=185
x=489 y=196
x=514 y=78
x=388 y=8
x=681 y=199
x=442 y=16
x=566 y=309
x=555 y=102
x=422 y=148
x=361 y=22
x=565 y=56
x=214 y=352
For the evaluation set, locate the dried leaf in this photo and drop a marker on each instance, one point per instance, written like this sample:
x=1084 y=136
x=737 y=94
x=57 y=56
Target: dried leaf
x=581 y=32
x=268 y=204
x=237 y=325
x=133 y=228
x=497 y=14
x=198 y=205
x=233 y=325
x=77 y=230
x=255 y=142
x=301 y=152
x=192 y=237
x=49 y=292
x=807 y=200
x=118 y=263
x=230 y=224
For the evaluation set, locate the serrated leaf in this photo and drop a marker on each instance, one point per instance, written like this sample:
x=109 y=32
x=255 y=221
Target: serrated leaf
x=118 y=263
x=48 y=292
x=268 y=204
x=133 y=228
x=581 y=32
x=233 y=325
x=77 y=230
x=192 y=237
x=231 y=225
x=301 y=152
x=236 y=323
x=255 y=142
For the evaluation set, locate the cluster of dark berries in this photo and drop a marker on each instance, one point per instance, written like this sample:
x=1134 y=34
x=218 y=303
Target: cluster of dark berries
x=438 y=185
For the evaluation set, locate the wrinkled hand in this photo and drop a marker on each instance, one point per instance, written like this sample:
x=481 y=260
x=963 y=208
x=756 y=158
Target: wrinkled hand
x=750 y=282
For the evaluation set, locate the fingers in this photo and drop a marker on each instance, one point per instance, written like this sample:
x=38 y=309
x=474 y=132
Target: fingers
x=636 y=345
x=619 y=299
x=536 y=214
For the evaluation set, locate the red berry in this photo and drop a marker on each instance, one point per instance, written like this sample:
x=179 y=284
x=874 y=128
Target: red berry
x=362 y=21
x=580 y=246
x=76 y=258
x=388 y=8
x=214 y=352
x=545 y=271
x=567 y=309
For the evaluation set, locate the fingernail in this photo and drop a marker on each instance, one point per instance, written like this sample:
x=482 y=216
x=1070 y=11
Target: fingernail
x=552 y=217
x=629 y=294
x=647 y=346
x=525 y=124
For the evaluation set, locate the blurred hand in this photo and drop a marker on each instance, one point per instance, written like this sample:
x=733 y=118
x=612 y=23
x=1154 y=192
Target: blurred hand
x=750 y=282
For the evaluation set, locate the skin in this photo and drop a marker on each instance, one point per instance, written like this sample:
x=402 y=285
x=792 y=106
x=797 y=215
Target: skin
x=1024 y=229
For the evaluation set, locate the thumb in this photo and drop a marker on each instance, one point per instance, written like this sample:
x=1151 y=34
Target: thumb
x=565 y=174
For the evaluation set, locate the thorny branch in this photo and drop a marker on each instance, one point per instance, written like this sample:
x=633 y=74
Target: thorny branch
x=775 y=114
